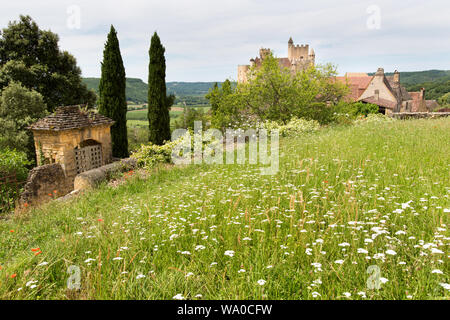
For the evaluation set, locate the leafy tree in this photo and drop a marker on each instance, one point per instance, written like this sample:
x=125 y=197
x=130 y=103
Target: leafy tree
x=32 y=57
x=213 y=96
x=112 y=102
x=187 y=119
x=19 y=108
x=445 y=100
x=274 y=93
x=159 y=102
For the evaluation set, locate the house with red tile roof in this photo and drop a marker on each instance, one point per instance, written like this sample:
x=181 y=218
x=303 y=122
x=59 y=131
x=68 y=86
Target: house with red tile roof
x=386 y=92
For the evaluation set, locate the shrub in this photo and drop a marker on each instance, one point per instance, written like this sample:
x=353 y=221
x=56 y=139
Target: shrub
x=12 y=162
x=294 y=127
x=373 y=118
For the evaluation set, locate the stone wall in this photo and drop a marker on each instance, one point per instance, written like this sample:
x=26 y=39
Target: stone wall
x=419 y=115
x=59 y=146
x=45 y=183
x=92 y=178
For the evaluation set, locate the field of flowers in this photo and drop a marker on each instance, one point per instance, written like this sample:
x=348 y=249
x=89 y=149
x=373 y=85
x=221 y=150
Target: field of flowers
x=357 y=212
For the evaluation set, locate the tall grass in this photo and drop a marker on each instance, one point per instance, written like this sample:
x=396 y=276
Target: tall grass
x=343 y=200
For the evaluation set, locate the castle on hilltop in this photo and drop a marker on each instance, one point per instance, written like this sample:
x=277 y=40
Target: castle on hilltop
x=299 y=58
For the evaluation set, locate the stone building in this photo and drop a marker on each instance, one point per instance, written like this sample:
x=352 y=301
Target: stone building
x=299 y=58
x=386 y=92
x=77 y=139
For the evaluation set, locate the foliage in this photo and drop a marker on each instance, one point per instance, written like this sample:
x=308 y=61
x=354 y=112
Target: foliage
x=191 y=93
x=12 y=162
x=149 y=155
x=32 y=57
x=344 y=199
x=345 y=112
x=158 y=101
x=374 y=118
x=294 y=127
x=410 y=78
x=189 y=116
x=19 y=108
x=112 y=101
x=137 y=135
x=274 y=93
x=433 y=90
x=444 y=101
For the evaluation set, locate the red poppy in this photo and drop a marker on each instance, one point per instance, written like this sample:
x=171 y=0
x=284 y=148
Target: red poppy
x=35 y=249
x=38 y=253
x=11 y=231
x=100 y=220
x=13 y=276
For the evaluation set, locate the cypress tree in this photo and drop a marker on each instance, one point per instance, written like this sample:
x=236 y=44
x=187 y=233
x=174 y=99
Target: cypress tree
x=112 y=101
x=158 y=101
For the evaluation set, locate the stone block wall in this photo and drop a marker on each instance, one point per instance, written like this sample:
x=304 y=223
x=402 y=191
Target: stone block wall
x=45 y=183
x=59 y=146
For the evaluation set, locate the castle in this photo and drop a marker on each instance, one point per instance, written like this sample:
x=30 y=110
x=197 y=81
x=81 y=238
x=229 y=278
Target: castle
x=300 y=57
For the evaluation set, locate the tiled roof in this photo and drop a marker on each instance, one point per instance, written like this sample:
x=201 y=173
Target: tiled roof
x=400 y=92
x=284 y=62
x=380 y=102
x=431 y=104
x=356 y=84
x=71 y=117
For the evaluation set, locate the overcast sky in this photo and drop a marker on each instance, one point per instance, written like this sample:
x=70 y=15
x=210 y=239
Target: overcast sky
x=206 y=40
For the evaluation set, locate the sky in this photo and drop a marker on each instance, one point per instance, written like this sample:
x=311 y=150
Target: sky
x=207 y=40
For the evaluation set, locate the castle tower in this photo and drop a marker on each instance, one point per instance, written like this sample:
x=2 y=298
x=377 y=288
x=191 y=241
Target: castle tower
x=290 y=49
x=243 y=73
x=263 y=52
x=312 y=57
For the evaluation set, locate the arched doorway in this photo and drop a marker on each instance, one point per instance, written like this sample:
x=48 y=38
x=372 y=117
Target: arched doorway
x=88 y=155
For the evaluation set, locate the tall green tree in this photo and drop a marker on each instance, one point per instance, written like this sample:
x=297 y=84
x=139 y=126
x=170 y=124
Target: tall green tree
x=19 y=108
x=275 y=94
x=112 y=101
x=32 y=57
x=158 y=102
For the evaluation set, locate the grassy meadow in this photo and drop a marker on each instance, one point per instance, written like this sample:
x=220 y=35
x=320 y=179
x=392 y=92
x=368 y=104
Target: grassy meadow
x=344 y=199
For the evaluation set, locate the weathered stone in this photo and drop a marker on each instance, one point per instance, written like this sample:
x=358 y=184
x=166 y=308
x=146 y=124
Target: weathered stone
x=45 y=183
x=77 y=139
x=420 y=115
x=92 y=178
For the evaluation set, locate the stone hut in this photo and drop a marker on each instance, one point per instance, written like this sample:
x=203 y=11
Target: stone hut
x=77 y=139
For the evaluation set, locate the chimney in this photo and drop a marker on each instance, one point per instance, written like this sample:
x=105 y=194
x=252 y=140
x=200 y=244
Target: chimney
x=396 y=77
x=422 y=94
x=380 y=72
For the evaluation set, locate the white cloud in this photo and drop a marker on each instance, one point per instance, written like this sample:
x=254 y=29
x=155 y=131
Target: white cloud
x=206 y=40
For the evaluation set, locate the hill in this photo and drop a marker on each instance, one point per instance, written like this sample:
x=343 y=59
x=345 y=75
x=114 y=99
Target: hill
x=345 y=199
x=409 y=78
x=193 y=93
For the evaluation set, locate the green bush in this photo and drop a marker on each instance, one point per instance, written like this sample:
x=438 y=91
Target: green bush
x=12 y=162
x=293 y=128
x=373 y=118
x=149 y=155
